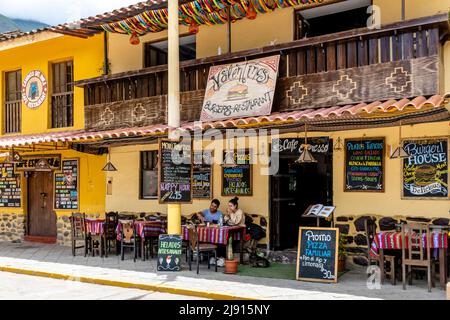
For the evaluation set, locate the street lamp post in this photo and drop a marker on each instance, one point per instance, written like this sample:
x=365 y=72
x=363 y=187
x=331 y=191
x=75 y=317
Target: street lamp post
x=173 y=210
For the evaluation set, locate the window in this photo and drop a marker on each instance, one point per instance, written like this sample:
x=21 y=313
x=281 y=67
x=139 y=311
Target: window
x=341 y=16
x=62 y=94
x=156 y=52
x=13 y=102
x=149 y=175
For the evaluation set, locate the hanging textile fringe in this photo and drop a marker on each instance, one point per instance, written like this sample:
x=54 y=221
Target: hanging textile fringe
x=202 y=12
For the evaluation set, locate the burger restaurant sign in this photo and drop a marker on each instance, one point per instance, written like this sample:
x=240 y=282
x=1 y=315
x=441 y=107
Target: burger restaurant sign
x=241 y=89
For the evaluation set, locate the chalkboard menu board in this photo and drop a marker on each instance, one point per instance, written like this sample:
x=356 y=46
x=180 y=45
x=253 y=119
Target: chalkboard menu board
x=169 y=252
x=364 y=165
x=237 y=177
x=10 y=191
x=425 y=172
x=202 y=175
x=175 y=172
x=317 y=255
x=66 y=185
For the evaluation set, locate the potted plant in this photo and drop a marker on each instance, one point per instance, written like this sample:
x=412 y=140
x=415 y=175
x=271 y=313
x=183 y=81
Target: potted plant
x=342 y=254
x=231 y=264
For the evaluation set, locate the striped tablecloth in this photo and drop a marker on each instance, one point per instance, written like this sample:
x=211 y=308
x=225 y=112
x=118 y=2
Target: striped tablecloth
x=146 y=229
x=214 y=234
x=393 y=240
x=94 y=226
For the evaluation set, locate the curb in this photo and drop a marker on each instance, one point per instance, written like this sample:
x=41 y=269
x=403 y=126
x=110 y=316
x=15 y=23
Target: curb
x=129 y=285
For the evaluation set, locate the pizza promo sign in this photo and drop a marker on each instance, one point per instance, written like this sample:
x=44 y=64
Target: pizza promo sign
x=240 y=89
x=34 y=89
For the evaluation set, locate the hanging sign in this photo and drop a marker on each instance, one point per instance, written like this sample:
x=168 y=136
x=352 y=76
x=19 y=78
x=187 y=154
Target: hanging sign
x=10 y=191
x=66 y=186
x=29 y=162
x=175 y=172
x=170 y=250
x=293 y=146
x=364 y=165
x=237 y=177
x=240 y=89
x=202 y=175
x=34 y=89
x=317 y=254
x=425 y=172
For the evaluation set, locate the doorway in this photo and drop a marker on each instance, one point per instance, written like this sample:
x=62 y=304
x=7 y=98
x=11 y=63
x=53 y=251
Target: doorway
x=41 y=217
x=293 y=189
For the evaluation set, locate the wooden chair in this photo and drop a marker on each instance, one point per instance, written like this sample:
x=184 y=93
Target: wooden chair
x=389 y=261
x=415 y=254
x=196 y=248
x=78 y=226
x=111 y=221
x=128 y=237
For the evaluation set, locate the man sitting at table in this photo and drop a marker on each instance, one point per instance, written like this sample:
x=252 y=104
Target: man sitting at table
x=212 y=214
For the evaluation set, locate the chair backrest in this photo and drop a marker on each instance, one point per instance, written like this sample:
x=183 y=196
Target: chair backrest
x=127 y=230
x=193 y=236
x=371 y=232
x=111 y=220
x=417 y=238
x=78 y=225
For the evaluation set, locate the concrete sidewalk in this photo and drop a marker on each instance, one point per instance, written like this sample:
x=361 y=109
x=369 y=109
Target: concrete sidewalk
x=57 y=262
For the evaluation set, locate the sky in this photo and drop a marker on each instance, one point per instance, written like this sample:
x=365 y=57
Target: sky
x=54 y=12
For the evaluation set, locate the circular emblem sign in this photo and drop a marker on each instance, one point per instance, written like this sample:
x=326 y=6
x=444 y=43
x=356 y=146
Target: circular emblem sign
x=34 y=89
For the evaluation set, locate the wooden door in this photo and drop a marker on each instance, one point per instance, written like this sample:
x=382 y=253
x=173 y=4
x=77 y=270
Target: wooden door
x=41 y=217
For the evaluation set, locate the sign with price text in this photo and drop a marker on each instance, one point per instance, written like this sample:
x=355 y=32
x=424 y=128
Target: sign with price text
x=175 y=172
x=317 y=255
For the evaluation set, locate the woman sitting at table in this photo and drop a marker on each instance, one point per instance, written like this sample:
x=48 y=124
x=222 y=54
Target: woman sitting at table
x=234 y=216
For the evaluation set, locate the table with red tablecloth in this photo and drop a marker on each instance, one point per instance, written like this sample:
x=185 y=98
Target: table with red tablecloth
x=392 y=240
x=219 y=235
x=146 y=229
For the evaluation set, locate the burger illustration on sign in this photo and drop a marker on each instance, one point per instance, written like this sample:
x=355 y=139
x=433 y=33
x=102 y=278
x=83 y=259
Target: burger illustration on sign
x=237 y=92
x=34 y=89
x=425 y=175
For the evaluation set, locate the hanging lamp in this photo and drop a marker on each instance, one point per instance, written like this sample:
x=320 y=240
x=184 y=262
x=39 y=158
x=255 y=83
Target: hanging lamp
x=338 y=146
x=251 y=12
x=134 y=39
x=229 y=159
x=109 y=166
x=306 y=156
x=400 y=152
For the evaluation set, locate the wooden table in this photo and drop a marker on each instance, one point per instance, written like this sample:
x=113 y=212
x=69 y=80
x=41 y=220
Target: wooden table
x=390 y=240
x=218 y=235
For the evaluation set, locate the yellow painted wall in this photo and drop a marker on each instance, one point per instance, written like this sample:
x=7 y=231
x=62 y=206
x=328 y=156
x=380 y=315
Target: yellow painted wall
x=391 y=9
x=87 y=56
x=92 y=186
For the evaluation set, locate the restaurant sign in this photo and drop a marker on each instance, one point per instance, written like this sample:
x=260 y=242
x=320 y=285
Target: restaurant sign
x=425 y=172
x=294 y=146
x=242 y=89
x=29 y=162
x=34 y=89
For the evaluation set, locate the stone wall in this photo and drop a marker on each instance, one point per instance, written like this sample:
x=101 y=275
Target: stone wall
x=63 y=229
x=12 y=227
x=353 y=227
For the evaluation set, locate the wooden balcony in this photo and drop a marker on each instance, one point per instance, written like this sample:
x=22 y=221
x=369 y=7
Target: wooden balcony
x=12 y=116
x=400 y=60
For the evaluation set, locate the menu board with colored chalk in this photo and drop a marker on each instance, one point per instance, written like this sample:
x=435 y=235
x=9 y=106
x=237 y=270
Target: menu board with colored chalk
x=66 y=185
x=175 y=172
x=202 y=176
x=10 y=190
x=364 y=165
x=317 y=255
x=237 y=174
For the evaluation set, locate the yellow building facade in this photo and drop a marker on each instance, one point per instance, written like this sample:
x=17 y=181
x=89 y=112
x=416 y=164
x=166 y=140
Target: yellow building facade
x=41 y=52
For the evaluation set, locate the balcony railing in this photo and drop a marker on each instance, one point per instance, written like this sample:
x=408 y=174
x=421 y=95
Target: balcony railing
x=12 y=116
x=62 y=110
x=353 y=51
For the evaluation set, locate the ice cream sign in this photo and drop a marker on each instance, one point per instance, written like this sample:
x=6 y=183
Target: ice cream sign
x=241 y=89
x=34 y=89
